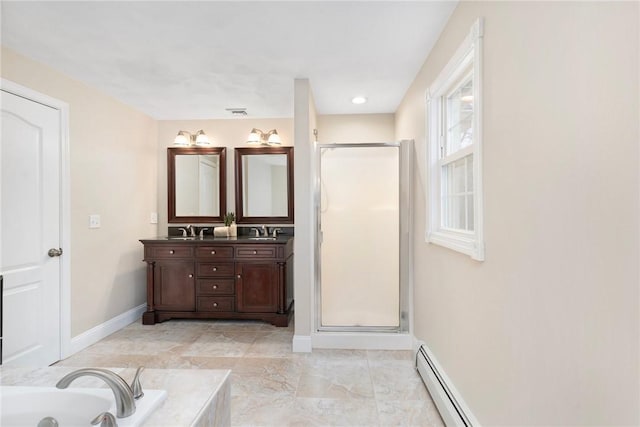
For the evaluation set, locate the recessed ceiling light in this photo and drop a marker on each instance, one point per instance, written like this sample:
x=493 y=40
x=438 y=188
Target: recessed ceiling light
x=359 y=100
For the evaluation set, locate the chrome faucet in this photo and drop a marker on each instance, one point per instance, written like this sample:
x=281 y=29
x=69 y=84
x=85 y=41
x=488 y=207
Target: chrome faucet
x=264 y=231
x=136 y=386
x=125 y=402
x=184 y=231
x=276 y=231
x=48 y=422
x=191 y=230
x=202 y=230
x=256 y=230
x=105 y=419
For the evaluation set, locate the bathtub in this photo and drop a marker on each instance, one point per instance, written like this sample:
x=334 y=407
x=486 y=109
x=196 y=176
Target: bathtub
x=74 y=406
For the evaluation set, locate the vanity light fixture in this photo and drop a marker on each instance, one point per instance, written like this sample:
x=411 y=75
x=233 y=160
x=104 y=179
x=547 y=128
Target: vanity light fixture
x=184 y=139
x=267 y=138
x=358 y=100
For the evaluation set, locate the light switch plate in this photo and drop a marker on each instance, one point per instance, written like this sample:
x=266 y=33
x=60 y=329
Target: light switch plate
x=94 y=221
x=154 y=217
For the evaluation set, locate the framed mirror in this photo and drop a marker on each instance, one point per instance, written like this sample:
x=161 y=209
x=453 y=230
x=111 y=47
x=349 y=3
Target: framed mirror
x=197 y=184
x=264 y=185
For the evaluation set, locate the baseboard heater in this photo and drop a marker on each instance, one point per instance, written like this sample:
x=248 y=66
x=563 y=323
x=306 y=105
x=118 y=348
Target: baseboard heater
x=451 y=410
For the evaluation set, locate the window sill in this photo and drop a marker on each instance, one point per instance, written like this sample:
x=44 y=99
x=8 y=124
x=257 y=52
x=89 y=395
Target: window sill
x=467 y=245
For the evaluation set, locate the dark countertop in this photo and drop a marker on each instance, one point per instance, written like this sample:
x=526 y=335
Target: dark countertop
x=218 y=240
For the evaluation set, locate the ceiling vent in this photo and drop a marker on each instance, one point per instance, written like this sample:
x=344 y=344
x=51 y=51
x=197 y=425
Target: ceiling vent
x=237 y=111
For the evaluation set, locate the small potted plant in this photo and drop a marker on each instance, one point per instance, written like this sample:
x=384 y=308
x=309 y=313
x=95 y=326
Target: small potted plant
x=229 y=218
x=230 y=223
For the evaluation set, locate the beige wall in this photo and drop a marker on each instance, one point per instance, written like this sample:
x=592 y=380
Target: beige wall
x=545 y=331
x=229 y=133
x=337 y=128
x=113 y=174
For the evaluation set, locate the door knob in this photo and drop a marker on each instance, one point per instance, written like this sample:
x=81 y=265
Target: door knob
x=53 y=252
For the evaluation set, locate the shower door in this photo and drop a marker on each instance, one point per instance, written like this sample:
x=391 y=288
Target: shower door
x=358 y=202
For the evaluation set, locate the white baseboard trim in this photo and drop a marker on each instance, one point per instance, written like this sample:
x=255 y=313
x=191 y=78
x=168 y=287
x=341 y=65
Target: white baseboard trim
x=439 y=395
x=301 y=344
x=362 y=340
x=95 y=334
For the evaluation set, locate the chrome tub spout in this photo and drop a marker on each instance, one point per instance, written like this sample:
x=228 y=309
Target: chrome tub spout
x=125 y=403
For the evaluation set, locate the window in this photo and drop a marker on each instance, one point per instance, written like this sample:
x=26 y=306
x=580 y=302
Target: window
x=454 y=159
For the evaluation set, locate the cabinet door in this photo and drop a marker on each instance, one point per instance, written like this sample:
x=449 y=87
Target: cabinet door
x=174 y=286
x=257 y=287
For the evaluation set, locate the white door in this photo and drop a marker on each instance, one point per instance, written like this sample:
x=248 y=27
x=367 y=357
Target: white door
x=29 y=228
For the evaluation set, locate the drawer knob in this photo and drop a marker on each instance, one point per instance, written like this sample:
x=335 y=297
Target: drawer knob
x=255 y=252
x=215 y=268
x=215 y=286
x=190 y=275
x=172 y=252
x=215 y=304
x=238 y=276
x=213 y=252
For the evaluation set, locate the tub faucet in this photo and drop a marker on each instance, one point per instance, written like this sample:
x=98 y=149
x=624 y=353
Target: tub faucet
x=48 y=422
x=105 y=419
x=136 y=386
x=125 y=403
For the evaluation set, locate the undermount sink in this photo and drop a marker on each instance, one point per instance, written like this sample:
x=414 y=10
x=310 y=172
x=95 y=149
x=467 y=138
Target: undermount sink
x=262 y=238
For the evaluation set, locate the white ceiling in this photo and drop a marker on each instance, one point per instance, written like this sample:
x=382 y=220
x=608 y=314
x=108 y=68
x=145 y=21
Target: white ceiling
x=191 y=60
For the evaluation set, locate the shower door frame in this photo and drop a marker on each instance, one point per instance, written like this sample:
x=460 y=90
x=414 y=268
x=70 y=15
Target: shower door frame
x=405 y=165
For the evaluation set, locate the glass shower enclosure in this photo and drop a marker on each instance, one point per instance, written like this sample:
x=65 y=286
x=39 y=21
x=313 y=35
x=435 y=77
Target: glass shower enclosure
x=362 y=216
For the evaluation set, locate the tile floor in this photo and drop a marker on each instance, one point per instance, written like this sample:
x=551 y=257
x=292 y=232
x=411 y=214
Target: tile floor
x=271 y=386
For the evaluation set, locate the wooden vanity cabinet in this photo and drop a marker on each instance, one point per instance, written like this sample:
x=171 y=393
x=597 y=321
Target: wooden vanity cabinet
x=173 y=272
x=257 y=289
x=215 y=287
x=173 y=285
x=227 y=279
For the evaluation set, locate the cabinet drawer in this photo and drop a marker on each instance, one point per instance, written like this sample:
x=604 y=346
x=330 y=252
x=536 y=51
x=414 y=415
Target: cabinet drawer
x=214 y=269
x=256 y=251
x=216 y=304
x=215 y=286
x=214 y=252
x=169 y=251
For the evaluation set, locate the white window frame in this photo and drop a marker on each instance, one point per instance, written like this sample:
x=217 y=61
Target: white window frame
x=469 y=53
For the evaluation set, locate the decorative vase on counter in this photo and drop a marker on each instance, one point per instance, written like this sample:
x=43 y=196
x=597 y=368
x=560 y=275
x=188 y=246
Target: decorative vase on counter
x=233 y=230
